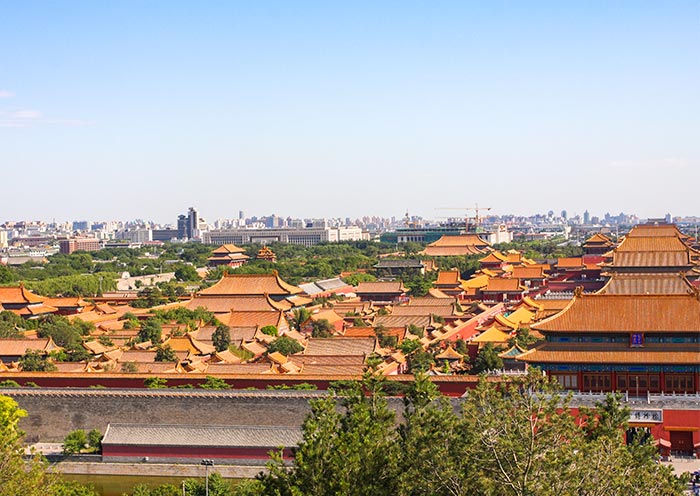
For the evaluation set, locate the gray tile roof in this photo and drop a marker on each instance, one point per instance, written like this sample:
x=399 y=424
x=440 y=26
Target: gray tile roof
x=340 y=346
x=402 y=320
x=311 y=288
x=329 y=284
x=399 y=264
x=210 y=435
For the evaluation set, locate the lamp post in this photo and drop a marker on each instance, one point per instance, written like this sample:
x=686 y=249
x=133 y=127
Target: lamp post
x=207 y=463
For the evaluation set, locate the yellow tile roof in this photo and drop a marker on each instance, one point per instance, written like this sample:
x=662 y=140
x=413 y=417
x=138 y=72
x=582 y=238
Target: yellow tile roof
x=491 y=335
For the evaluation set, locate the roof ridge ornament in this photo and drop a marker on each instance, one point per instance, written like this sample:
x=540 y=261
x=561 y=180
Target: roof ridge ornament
x=578 y=291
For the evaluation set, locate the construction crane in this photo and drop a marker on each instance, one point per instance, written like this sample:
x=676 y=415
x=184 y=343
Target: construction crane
x=476 y=208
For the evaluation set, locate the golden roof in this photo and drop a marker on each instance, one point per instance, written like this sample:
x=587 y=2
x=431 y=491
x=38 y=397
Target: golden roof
x=448 y=277
x=18 y=294
x=647 y=283
x=556 y=354
x=494 y=257
x=626 y=313
x=503 y=285
x=229 y=248
x=598 y=239
x=449 y=354
x=492 y=335
x=251 y=284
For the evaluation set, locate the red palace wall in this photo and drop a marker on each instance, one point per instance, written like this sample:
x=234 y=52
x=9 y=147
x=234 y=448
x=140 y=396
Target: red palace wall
x=448 y=385
x=194 y=452
x=674 y=420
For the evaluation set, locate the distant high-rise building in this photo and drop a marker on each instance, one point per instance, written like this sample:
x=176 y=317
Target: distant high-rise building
x=564 y=214
x=586 y=217
x=81 y=225
x=192 y=223
x=241 y=216
x=188 y=225
x=182 y=226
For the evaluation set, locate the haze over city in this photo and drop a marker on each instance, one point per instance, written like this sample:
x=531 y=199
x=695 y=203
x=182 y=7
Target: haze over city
x=128 y=109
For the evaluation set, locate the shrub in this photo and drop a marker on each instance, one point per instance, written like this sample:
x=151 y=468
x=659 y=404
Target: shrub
x=75 y=442
x=155 y=382
x=212 y=382
x=270 y=330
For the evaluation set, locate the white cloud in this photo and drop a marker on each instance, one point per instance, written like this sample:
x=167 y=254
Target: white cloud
x=6 y=94
x=27 y=114
x=32 y=118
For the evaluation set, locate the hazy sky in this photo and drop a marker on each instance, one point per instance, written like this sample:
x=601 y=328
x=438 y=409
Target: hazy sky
x=124 y=109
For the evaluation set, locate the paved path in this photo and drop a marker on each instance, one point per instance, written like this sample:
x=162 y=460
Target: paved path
x=156 y=469
x=682 y=465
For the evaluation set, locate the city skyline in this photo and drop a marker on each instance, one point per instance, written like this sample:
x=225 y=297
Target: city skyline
x=599 y=216
x=333 y=110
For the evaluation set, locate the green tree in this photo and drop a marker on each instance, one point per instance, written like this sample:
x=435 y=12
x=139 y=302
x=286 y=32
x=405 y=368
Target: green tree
x=420 y=361
x=218 y=486
x=516 y=438
x=6 y=275
x=321 y=328
x=72 y=488
x=433 y=431
x=299 y=316
x=149 y=297
x=75 y=442
x=419 y=285
x=351 y=454
x=151 y=330
x=522 y=338
x=270 y=330
x=286 y=346
x=162 y=490
x=155 y=382
x=416 y=330
x=358 y=277
x=83 y=328
x=94 y=438
x=487 y=360
x=408 y=346
x=33 y=361
x=130 y=321
x=75 y=285
x=130 y=368
x=221 y=337
x=461 y=347
x=11 y=325
x=166 y=354
x=19 y=477
x=66 y=335
x=212 y=382
x=537 y=447
x=186 y=273
x=386 y=340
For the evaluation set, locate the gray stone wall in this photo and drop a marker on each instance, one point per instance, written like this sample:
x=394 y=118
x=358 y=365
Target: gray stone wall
x=53 y=412
x=51 y=415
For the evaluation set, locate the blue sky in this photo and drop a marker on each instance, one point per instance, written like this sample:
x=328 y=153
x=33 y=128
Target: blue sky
x=129 y=109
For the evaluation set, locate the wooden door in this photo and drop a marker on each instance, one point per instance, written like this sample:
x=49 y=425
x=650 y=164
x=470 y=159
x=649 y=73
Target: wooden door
x=682 y=442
